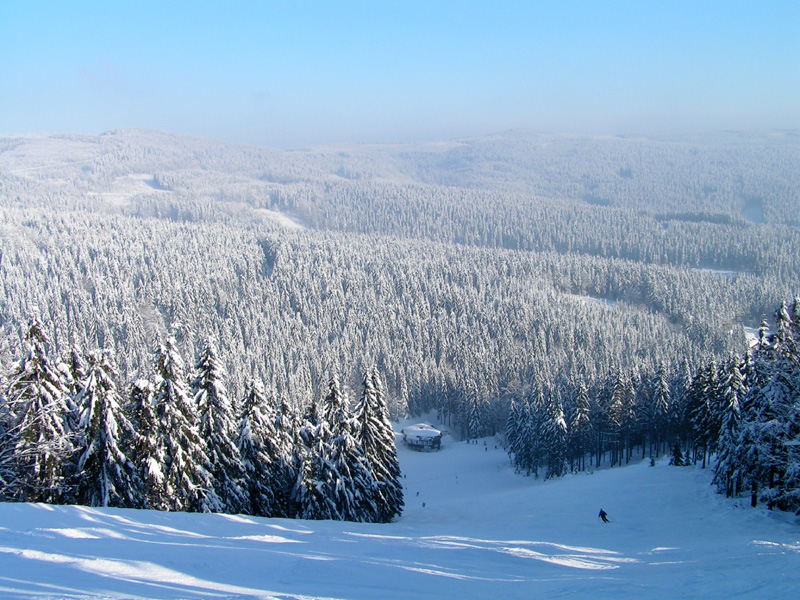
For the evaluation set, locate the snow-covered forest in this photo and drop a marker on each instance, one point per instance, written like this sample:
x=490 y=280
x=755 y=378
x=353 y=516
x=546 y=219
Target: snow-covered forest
x=586 y=299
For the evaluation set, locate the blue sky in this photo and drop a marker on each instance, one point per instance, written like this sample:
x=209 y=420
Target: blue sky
x=294 y=73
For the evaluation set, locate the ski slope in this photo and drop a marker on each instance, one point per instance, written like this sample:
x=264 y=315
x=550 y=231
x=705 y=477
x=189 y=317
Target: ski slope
x=471 y=529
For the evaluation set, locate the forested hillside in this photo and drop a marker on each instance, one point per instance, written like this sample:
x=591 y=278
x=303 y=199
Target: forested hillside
x=475 y=275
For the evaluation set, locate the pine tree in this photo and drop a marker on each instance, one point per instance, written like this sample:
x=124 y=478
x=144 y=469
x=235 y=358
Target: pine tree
x=513 y=427
x=528 y=446
x=767 y=454
x=677 y=456
x=732 y=389
x=10 y=483
x=143 y=443
x=107 y=476
x=73 y=370
x=73 y=374
x=351 y=486
x=715 y=401
x=763 y=435
x=376 y=437
x=617 y=412
x=630 y=417
x=661 y=407
x=775 y=433
x=310 y=424
x=37 y=400
x=217 y=429
x=258 y=451
x=310 y=493
x=580 y=427
x=554 y=435
x=698 y=409
x=287 y=461
x=187 y=485
x=474 y=416
x=679 y=419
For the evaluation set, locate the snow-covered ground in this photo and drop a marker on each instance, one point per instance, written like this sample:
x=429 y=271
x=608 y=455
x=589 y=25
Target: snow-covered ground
x=471 y=529
x=720 y=272
x=280 y=218
x=752 y=335
x=124 y=188
x=591 y=300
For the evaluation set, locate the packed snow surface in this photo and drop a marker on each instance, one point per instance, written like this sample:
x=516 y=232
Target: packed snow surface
x=471 y=529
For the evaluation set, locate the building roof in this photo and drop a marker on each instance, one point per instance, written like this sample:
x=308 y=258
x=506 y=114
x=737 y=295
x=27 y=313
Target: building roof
x=421 y=431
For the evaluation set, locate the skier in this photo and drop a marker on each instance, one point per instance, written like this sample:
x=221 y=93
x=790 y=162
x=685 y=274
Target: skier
x=603 y=516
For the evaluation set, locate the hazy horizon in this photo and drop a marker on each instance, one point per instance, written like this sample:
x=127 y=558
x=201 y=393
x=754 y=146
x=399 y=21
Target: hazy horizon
x=309 y=73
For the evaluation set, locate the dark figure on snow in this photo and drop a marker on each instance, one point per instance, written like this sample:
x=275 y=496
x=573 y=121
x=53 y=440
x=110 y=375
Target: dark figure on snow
x=603 y=516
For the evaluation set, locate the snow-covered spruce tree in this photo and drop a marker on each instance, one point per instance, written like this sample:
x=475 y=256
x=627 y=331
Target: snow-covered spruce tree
x=580 y=428
x=286 y=463
x=73 y=370
x=662 y=404
x=36 y=397
x=761 y=453
x=474 y=417
x=334 y=404
x=311 y=494
x=527 y=447
x=352 y=487
x=715 y=400
x=187 y=484
x=310 y=421
x=258 y=450
x=534 y=443
x=142 y=445
x=107 y=477
x=697 y=409
x=642 y=426
x=676 y=459
x=218 y=429
x=788 y=496
x=615 y=415
x=629 y=416
x=770 y=432
x=376 y=437
x=554 y=434
x=732 y=388
x=679 y=420
x=512 y=432
x=9 y=479
x=749 y=454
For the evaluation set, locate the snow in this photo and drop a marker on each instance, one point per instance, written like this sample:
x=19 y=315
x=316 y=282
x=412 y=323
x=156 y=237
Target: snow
x=754 y=212
x=752 y=335
x=721 y=272
x=124 y=188
x=472 y=528
x=591 y=300
x=420 y=430
x=280 y=218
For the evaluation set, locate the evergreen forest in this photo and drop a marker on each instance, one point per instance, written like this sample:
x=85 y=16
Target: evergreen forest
x=197 y=326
